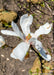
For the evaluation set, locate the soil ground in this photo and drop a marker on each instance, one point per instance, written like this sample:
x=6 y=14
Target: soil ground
x=10 y=66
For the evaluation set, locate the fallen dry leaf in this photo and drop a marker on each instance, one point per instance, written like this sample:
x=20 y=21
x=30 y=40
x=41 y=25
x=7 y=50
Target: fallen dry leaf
x=7 y=16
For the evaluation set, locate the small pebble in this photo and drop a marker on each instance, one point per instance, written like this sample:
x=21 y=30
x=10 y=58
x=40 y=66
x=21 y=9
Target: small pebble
x=2 y=55
x=23 y=70
x=7 y=59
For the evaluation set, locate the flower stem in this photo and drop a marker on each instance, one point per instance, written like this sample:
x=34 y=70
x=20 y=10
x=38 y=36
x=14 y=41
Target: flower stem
x=40 y=58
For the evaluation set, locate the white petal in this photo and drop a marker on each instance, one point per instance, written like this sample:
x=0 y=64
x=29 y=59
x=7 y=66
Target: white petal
x=8 y=32
x=16 y=29
x=20 y=51
x=25 y=22
x=44 y=29
x=2 y=41
x=39 y=47
x=33 y=35
x=32 y=41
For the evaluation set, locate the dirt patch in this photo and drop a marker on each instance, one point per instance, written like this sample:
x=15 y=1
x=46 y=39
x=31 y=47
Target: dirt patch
x=8 y=65
x=41 y=67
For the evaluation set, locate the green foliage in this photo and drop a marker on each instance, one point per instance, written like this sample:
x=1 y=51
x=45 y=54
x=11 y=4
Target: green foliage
x=38 y=25
x=30 y=72
x=49 y=50
x=40 y=16
x=24 y=5
x=37 y=70
x=19 y=5
x=43 y=4
x=33 y=14
x=34 y=74
x=6 y=24
x=39 y=54
x=28 y=9
x=53 y=21
x=52 y=0
x=27 y=53
x=3 y=46
x=48 y=68
x=49 y=18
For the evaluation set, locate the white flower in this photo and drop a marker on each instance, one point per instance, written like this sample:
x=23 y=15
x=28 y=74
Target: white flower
x=20 y=51
x=28 y=38
x=2 y=41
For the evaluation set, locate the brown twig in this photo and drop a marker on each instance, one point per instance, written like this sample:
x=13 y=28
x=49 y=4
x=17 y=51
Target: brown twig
x=46 y=4
x=40 y=58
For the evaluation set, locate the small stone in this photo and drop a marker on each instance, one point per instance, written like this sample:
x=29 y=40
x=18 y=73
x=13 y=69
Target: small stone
x=3 y=70
x=2 y=55
x=7 y=59
x=23 y=70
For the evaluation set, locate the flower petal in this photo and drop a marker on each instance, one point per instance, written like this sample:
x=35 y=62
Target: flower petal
x=32 y=41
x=2 y=41
x=16 y=29
x=8 y=32
x=25 y=22
x=33 y=35
x=39 y=47
x=44 y=29
x=20 y=51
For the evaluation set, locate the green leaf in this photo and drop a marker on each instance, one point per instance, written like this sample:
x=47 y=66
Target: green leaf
x=48 y=68
x=37 y=70
x=30 y=72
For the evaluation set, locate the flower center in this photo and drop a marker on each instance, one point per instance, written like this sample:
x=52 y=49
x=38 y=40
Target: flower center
x=28 y=37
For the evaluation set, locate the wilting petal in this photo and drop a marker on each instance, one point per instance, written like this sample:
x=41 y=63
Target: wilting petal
x=20 y=51
x=8 y=32
x=44 y=29
x=39 y=47
x=16 y=29
x=2 y=41
x=25 y=22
